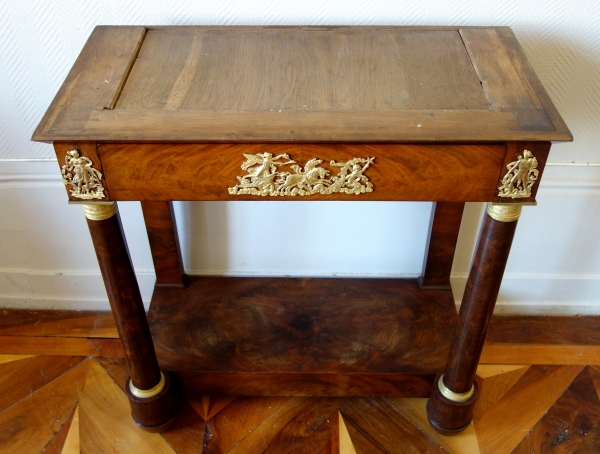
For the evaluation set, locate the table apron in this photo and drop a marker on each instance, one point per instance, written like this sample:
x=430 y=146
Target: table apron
x=416 y=172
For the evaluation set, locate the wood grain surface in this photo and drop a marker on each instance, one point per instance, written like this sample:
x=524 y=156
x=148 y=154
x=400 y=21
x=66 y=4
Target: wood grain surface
x=302 y=326
x=302 y=84
x=305 y=384
x=205 y=171
x=39 y=370
x=375 y=426
x=94 y=81
x=31 y=423
x=164 y=243
x=497 y=430
x=444 y=226
x=521 y=409
x=572 y=424
x=125 y=300
x=105 y=419
x=559 y=330
x=27 y=322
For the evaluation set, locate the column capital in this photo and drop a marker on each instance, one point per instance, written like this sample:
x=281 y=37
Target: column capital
x=100 y=211
x=504 y=212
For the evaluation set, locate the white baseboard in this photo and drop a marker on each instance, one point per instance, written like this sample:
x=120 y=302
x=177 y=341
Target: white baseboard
x=34 y=289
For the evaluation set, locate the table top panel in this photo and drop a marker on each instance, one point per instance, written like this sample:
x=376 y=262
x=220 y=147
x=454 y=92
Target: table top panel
x=302 y=84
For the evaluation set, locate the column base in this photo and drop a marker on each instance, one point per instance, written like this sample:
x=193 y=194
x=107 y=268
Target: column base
x=447 y=416
x=156 y=413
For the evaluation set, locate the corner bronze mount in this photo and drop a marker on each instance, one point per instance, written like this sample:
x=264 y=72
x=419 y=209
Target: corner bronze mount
x=520 y=178
x=85 y=181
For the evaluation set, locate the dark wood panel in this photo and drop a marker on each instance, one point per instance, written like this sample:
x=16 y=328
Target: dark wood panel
x=206 y=171
x=164 y=243
x=441 y=244
x=306 y=326
x=511 y=329
x=196 y=384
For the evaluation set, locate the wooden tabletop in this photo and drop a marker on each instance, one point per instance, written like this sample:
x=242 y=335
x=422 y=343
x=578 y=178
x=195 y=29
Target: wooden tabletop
x=302 y=84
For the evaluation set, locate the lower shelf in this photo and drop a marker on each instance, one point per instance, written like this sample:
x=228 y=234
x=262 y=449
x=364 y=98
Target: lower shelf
x=284 y=336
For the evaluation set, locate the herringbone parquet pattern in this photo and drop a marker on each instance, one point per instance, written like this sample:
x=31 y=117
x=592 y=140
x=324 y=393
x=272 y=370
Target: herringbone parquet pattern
x=61 y=391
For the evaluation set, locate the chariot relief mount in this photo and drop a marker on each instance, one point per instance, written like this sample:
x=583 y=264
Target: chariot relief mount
x=264 y=178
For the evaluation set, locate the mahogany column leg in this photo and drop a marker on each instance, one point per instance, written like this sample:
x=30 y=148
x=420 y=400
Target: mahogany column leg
x=152 y=403
x=164 y=244
x=441 y=244
x=450 y=407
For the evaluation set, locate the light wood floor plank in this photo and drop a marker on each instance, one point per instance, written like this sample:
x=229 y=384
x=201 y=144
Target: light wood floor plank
x=22 y=345
x=10 y=358
x=503 y=427
x=414 y=410
x=540 y=354
x=19 y=379
x=105 y=423
x=71 y=445
x=493 y=388
x=489 y=370
x=262 y=437
x=346 y=446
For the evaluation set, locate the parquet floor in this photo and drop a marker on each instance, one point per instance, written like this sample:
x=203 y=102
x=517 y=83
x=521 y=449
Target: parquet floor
x=62 y=376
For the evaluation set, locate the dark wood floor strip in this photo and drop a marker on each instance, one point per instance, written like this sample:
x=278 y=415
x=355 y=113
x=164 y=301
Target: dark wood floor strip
x=520 y=329
x=39 y=323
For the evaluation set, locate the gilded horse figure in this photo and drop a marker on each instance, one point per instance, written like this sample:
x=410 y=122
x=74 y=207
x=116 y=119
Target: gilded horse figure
x=311 y=180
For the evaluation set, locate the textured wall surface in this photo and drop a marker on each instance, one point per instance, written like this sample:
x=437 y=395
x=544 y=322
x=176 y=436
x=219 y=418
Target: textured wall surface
x=46 y=258
x=40 y=39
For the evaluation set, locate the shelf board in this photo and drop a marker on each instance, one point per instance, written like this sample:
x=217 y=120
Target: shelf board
x=298 y=336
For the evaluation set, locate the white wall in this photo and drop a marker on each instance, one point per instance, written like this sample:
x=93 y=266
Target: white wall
x=46 y=256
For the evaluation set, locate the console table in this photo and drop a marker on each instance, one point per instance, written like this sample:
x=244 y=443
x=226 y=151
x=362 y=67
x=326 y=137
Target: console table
x=442 y=114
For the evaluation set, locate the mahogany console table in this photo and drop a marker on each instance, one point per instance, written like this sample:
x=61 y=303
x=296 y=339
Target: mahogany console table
x=442 y=114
